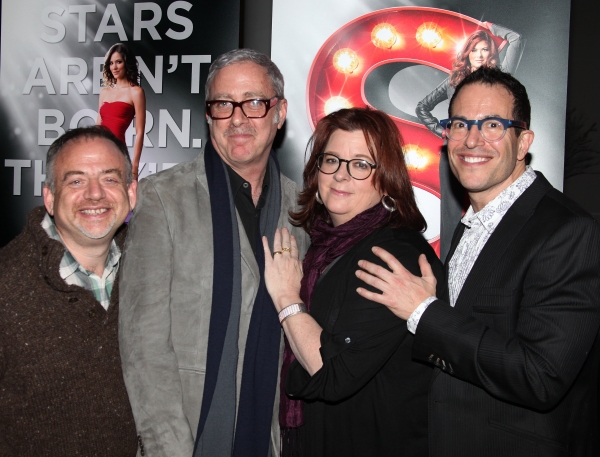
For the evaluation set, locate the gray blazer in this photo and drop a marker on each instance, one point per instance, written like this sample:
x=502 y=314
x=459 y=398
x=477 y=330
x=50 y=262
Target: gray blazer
x=166 y=297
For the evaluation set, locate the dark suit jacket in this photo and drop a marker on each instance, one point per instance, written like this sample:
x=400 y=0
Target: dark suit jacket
x=517 y=360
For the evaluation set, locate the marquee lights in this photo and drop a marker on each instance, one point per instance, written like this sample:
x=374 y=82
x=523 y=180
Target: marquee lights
x=335 y=104
x=384 y=35
x=429 y=36
x=345 y=61
x=340 y=76
x=459 y=45
x=414 y=157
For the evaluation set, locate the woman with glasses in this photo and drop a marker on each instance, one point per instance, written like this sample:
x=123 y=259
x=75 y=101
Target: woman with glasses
x=352 y=387
x=122 y=98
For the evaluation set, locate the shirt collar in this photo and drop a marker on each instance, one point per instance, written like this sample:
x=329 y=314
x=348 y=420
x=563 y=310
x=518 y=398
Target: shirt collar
x=491 y=214
x=239 y=184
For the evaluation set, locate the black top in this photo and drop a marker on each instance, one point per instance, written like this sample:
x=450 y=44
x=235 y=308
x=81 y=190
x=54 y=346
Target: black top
x=242 y=197
x=369 y=398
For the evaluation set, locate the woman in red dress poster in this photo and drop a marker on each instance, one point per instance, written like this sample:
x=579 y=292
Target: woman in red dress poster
x=122 y=98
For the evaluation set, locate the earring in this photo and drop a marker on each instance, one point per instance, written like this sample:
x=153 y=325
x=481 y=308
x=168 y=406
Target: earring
x=391 y=207
x=318 y=198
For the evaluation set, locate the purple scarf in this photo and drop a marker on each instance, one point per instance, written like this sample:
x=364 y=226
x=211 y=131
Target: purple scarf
x=327 y=243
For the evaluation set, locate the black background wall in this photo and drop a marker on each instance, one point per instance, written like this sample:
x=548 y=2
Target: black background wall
x=582 y=151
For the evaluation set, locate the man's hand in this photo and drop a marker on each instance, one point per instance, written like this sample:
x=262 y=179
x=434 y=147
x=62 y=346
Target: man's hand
x=401 y=291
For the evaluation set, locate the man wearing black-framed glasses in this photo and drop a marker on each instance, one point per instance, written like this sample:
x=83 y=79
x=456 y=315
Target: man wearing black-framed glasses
x=201 y=343
x=514 y=338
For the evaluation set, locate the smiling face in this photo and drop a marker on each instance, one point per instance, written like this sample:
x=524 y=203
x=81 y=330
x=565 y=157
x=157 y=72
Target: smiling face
x=486 y=168
x=117 y=66
x=244 y=144
x=343 y=196
x=479 y=55
x=91 y=198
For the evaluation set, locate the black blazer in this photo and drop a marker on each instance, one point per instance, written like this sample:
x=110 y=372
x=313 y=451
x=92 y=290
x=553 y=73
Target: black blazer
x=517 y=358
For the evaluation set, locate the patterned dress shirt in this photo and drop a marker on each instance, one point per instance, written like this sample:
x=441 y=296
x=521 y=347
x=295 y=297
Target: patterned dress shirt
x=75 y=275
x=479 y=228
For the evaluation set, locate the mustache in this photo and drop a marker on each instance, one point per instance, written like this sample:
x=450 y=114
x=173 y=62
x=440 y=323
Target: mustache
x=94 y=203
x=247 y=130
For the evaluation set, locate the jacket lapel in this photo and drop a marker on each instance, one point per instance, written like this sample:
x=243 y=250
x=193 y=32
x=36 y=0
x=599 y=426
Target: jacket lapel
x=458 y=233
x=247 y=253
x=509 y=228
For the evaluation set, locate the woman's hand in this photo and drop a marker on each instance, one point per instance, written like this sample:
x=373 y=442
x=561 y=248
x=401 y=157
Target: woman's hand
x=283 y=270
x=283 y=273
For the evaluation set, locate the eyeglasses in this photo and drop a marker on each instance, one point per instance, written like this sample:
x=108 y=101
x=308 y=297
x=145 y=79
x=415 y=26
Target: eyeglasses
x=490 y=128
x=253 y=108
x=357 y=168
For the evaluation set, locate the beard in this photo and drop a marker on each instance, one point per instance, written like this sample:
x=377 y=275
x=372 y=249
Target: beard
x=98 y=235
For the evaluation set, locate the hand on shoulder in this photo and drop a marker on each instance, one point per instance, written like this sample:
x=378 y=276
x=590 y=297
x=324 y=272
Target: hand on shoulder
x=401 y=291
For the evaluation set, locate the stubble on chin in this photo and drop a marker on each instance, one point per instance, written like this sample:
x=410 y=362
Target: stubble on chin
x=96 y=235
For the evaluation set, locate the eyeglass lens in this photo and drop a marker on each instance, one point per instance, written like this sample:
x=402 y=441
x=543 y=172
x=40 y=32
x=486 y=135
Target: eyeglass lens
x=491 y=130
x=223 y=109
x=357 y=168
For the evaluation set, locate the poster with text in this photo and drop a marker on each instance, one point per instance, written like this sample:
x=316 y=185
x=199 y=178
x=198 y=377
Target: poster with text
x=398 y=57
x=51 y=70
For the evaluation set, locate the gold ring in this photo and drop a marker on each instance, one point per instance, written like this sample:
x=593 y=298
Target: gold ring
x=286 y=249
x=276 y=252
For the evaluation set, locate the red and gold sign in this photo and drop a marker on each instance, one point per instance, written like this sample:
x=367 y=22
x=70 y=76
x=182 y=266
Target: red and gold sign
x=418 y=36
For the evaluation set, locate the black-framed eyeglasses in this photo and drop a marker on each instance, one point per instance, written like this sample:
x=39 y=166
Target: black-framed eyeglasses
x=252 y=108
x=357 y=168
x=490 y=128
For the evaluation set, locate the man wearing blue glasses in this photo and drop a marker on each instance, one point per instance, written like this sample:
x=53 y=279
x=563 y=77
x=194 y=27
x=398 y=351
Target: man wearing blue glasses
x=513 y=337
x=200 y=340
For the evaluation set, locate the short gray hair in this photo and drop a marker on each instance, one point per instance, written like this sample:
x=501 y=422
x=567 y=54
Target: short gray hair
x=95 y=131
x=246 y=55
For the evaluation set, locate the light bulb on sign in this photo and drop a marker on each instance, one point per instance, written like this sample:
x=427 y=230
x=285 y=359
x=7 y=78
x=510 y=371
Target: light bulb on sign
x=414 y=158
x=429 y=36
x=384 y=35
x=345 y=60
x=335 y=104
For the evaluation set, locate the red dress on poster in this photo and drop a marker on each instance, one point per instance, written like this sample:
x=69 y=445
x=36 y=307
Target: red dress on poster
x=117 y=116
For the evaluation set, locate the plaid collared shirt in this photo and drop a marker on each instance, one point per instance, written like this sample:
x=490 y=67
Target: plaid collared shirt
x=75 y=275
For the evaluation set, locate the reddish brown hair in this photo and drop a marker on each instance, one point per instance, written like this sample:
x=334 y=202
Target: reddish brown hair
x=390 y=177
x=462 y=66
